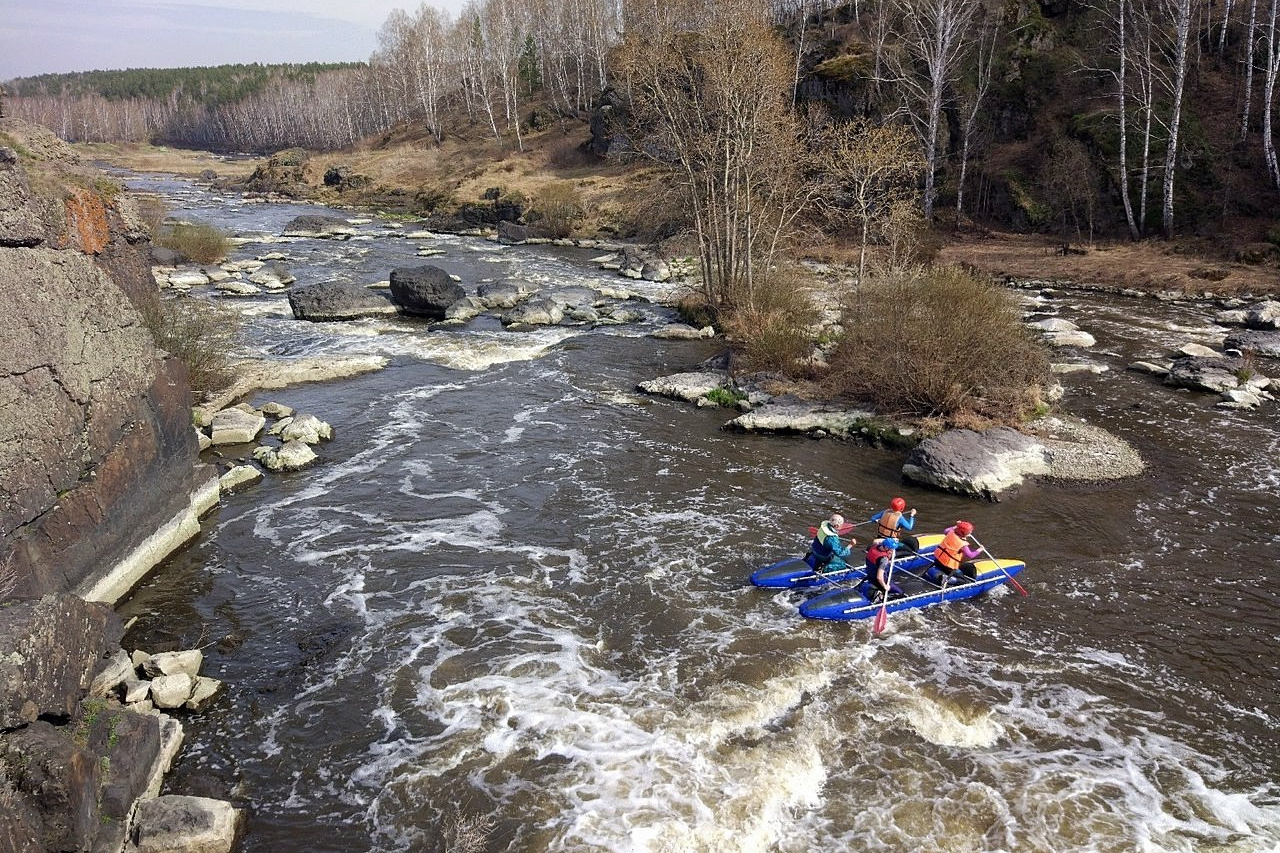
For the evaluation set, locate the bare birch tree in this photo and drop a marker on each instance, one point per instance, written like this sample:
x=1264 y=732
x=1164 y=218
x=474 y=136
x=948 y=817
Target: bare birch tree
x=933 y=38
x=869 y=170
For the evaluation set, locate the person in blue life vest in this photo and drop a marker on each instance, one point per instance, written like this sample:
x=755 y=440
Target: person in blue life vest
x=827 y=551
x=879 y=558
x=895 y=521
x=954 y=556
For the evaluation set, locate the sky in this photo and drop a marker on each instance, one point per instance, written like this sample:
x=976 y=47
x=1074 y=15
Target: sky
x=54 y=36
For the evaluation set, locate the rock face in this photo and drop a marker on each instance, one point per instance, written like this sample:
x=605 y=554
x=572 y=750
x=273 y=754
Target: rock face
x=96 y=446
x=975 y=463
x=427 y=291
x=71 y=766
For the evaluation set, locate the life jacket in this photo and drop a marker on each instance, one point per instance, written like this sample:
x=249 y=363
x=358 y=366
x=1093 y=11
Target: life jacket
x=950 y=551
x=874 y=555
x=888 y=523
x=821 y=551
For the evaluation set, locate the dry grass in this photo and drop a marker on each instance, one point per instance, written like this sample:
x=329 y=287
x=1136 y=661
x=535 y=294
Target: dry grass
x=1149 y=266
x=176 y=161
x=613 y=200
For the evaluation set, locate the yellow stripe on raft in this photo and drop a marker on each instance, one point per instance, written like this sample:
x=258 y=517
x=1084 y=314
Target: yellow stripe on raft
x=984 y=565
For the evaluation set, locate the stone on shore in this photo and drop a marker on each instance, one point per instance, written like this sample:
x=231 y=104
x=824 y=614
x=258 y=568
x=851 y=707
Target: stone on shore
x=688 y=387
x=238 y=476
x=684 y=332
x=179 y=824
x=236 y=426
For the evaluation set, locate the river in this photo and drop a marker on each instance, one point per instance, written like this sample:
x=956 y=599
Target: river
x=512 y=597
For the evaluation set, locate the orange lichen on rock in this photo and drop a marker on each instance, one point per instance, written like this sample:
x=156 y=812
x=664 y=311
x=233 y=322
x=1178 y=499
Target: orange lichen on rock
x=87 y=227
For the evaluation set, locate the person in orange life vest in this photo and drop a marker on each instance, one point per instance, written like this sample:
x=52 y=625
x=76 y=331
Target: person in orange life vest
x=879 y=555
x=826 y=551
x=893 y=521
x=954 y=554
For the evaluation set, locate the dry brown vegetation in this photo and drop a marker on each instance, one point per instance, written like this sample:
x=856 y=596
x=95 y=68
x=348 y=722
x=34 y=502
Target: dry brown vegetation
x=613 y=194
x=1148 y=266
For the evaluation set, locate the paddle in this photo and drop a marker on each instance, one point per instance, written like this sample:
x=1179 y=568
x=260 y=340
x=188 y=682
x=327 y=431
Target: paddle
x=1016 y=585
x=883 y=615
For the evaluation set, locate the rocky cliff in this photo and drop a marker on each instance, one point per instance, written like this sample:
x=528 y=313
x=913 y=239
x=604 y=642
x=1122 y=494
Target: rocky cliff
x=99 y=480
x=97 y=453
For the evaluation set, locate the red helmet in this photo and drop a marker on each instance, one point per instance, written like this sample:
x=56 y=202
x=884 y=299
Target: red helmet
x=964 y=528
x=897 y=504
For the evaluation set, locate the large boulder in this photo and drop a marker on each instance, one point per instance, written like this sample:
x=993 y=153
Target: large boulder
x=982 y=464
x=1256 y=341
x=426 y=291
x=337 y=300
x=1205 y=374
x=1264 y=315
x=317 y=225
x=180 y=824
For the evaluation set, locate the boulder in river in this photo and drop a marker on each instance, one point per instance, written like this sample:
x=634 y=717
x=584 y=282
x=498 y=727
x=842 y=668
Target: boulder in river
x=976 y=463
x=1256 y=341
x=316 y=225
x=1205 y=374
x=337 y=300
x=426 y=291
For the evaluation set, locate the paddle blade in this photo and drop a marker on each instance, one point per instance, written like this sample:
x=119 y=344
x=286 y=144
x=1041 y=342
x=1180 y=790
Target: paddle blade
x=844 y=529
x=882 y=616
x=1017 y=585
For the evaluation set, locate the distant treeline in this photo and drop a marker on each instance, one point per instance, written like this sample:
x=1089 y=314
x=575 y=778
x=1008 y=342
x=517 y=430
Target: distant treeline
x=429 y=68
x=213 y=86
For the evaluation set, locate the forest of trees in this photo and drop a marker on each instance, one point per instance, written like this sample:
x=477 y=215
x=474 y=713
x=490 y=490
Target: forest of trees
x=1138 y=117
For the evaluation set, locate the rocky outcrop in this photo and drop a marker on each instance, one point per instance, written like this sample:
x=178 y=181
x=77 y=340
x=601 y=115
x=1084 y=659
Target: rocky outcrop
x=1256 y=342
x=976 y=463
x=73 y=764
x=97 y=454
x=284 y=174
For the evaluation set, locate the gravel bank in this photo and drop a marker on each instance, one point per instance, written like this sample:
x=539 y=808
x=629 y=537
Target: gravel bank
x=1079 y=451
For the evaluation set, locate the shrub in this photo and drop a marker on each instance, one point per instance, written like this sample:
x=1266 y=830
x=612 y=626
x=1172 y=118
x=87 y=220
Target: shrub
x=556 y=209
x=725 y=396
x=199 y=334
x=198 y=242
x=774 y=328
x=152 y=211
x=940 y=343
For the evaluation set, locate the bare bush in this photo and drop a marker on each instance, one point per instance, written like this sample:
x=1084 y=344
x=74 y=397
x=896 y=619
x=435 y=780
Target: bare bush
x=556 y=209
x=198 y=333
x=198 y=242
x=776 y=331
x=940 y=343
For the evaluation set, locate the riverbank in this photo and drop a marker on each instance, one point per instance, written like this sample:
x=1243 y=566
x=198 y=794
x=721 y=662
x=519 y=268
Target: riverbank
x=470 y=167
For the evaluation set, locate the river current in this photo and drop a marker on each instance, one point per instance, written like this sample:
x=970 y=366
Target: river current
x=512 y=595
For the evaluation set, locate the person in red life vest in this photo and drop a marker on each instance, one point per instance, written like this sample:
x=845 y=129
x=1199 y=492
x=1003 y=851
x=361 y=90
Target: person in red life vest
x=892 y=522
x=827 y=551
x=954 y=555
x=879 y=556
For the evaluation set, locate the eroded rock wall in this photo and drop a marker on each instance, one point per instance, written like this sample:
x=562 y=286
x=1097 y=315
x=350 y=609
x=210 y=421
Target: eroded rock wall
x=96 y=446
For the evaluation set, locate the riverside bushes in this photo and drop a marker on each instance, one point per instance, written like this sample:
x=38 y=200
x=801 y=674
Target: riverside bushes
x=198 y=242
x=938 y=343
x=199 y=334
